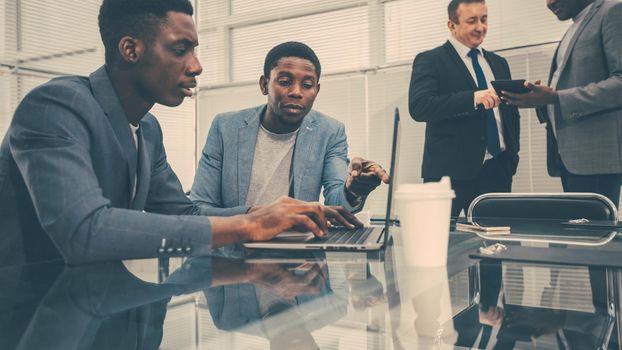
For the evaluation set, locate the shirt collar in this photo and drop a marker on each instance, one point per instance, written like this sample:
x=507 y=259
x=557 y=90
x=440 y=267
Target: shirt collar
x=581 y=15
x=278 y=136
x=463 y=50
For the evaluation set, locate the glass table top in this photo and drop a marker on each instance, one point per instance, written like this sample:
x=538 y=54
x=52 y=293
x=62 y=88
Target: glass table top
x=318 y=300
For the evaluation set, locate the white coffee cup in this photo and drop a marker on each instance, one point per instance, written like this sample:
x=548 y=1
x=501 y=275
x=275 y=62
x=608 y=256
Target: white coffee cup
x=424 y=213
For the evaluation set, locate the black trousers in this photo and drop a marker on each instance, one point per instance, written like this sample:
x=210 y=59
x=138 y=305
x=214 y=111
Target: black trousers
x=493 y=177
x=606 y=184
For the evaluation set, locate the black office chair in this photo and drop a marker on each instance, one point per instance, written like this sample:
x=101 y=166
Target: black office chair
x=560 y=206
x=563 y=206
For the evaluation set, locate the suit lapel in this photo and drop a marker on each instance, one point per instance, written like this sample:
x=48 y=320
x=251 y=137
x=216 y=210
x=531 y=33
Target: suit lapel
x=595 y=7
x=495 y=66
x=107 y=98
x=247 y=139
x=553 y=66
x=459 y=63
x=498 y=72
x=304 y=149
x=143 y=177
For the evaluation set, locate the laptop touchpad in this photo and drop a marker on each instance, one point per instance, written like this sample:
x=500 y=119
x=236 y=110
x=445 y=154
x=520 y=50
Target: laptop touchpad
x=296 y=236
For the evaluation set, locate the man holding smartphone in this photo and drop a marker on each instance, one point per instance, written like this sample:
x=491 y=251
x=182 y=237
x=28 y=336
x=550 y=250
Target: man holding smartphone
x=470 y=136
x=581 y=105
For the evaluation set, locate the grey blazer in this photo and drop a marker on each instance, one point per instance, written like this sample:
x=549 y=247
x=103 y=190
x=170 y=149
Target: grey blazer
x=320 y=160
x=67 y=169
x=589 y=115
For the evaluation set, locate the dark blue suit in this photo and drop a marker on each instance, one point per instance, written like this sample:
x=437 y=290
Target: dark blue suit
x=67 y=169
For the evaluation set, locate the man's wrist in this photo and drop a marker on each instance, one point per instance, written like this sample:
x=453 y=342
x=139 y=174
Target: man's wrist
x=230 y=229
x=247 y=229
x=352 y=197
x=555 y=98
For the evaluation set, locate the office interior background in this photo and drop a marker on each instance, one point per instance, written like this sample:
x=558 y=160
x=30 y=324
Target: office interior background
x=366 y=48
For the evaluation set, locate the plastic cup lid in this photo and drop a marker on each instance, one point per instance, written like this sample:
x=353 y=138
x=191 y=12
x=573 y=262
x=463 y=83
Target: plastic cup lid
x=441 y=187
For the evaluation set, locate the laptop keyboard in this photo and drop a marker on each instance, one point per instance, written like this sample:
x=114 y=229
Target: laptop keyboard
x=342 y=235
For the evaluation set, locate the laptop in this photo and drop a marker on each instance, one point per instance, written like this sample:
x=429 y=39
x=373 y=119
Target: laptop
x=367 y=238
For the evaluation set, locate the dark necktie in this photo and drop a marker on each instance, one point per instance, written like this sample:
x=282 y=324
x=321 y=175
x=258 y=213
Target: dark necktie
x=492 y=133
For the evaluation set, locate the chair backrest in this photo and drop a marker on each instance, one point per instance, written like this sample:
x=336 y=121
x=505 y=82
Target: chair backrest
x=563 y=206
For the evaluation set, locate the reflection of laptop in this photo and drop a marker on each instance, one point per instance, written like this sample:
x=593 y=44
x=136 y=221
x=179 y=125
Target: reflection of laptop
x=271 y=256
x=339 y=238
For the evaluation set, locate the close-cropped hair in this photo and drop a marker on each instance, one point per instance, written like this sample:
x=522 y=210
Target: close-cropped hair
x=290 y=49
x=136 y=18
x=452 y=8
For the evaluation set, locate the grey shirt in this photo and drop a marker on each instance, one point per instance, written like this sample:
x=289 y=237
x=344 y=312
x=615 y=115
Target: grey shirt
x=271 y=166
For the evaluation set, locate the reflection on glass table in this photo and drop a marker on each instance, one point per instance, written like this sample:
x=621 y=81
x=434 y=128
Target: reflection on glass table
x=328 y=301
x=552 y=231
x=510 y=314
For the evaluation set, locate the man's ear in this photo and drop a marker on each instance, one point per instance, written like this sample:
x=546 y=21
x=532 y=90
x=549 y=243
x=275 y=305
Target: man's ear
x=318 y=88
x=451 y=25
x=263 y=85
x=130 y=49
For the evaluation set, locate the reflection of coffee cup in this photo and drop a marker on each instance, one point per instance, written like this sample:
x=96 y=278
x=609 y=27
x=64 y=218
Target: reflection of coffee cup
x=424 y=212
x=425 y=298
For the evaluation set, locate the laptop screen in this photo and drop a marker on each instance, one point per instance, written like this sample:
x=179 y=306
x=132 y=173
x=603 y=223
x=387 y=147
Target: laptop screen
x=392 y=173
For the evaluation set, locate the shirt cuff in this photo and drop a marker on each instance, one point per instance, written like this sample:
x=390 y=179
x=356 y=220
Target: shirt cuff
x=353 y=199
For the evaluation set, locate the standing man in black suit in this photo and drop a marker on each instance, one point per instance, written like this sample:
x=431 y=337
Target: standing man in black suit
x=469 y=135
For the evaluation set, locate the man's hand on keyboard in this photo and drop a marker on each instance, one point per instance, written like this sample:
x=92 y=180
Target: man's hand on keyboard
x=353 y=221
x=265 y=222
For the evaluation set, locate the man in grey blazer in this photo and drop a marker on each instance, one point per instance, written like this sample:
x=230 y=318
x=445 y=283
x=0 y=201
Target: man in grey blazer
x=582 y=104
x=83 y=171
x=283 y=147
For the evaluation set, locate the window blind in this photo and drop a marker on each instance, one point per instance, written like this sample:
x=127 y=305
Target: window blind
x=5 y=101
x=415 y=26
x=44 y=39
x=339 y=38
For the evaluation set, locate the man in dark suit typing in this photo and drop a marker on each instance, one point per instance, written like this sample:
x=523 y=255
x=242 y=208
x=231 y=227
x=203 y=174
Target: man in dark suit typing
x=469 y=135
x=83 y=170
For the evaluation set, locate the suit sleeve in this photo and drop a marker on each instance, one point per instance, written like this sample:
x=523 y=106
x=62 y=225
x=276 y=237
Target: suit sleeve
x=335 y=172
x=512 y=110
x=50 y=142
x=166 y=194
x=602 y=95
x=425 y=101
x=206 y=187
x=542 y=114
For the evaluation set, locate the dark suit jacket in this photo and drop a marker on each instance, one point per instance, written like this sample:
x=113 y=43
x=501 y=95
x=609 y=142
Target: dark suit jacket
x=441 y=95
x=67 y=169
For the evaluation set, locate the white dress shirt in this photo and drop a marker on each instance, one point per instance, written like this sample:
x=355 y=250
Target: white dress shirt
x=463 y=52
x=134 y=131
x=561 y=54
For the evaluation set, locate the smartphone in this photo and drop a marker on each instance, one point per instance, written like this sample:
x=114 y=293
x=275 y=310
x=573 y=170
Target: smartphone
x=514 y=86
x=491 y=230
